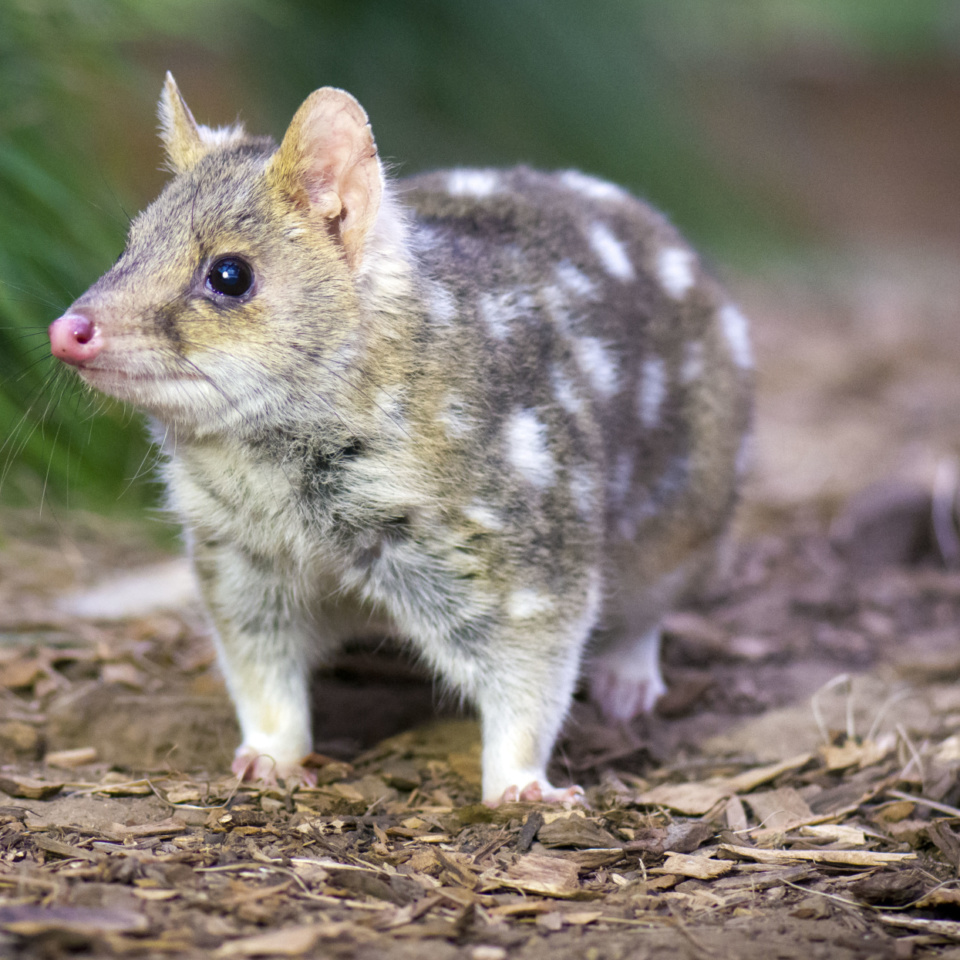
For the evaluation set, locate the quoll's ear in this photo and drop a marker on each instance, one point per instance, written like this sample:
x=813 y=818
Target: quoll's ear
x=179 y=132
x=328 y=162
x=184 y=140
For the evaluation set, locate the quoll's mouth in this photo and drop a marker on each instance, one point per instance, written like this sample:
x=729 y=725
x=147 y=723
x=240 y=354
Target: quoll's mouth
x=100 y=375
x=76 y=339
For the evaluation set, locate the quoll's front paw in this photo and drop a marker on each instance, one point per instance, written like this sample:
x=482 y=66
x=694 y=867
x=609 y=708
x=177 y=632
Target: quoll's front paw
x=252 y=766
x=537 y=792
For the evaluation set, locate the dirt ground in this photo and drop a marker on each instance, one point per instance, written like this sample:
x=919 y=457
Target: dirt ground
x=795 y=795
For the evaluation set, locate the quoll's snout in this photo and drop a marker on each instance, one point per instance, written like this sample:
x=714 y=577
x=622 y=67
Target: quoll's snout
x=74 y=338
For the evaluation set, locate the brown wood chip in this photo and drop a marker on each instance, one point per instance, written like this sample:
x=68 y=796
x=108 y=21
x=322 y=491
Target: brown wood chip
x=28 y=787
x=938 y=928
x=550 y=876
x=71 y=758
x=751 y=779
x=288 y=941
x=692 y=799
x=576 y=832
x=64 y=849
x=853 y=858
x=29 y=921
x=700 y=868
x=168 y=827
x=779 y=810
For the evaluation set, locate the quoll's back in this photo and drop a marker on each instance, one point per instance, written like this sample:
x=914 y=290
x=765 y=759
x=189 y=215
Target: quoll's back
x=493 y=412
x=616 y=376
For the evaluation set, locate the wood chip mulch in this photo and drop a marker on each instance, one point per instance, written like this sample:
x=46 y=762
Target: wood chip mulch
x=852 y=842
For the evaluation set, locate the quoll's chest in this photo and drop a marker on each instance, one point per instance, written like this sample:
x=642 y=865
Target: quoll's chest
x=230 y=494
x=318 y=509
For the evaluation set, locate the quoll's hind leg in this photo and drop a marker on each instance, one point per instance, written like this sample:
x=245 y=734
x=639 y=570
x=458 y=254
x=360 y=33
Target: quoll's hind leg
x=625 y=677
x=264 y=648
x=624 y=660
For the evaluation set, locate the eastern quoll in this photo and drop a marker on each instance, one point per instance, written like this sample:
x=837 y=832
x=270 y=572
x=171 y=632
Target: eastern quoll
x=497 y=413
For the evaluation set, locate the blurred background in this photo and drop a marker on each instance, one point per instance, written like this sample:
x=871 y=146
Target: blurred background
x=810 y=147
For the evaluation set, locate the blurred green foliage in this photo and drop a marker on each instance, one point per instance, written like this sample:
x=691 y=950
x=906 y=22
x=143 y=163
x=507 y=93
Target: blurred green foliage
x=602 y=85
x=61 y=223
x=68 y=70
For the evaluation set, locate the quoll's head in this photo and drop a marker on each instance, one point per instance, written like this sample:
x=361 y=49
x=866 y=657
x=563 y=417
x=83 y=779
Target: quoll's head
x=237 y=285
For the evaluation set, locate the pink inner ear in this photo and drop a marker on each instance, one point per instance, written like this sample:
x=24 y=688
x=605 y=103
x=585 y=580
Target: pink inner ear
x=324 y=200
x=335 y=143
x=344 y=177
x=329 y=159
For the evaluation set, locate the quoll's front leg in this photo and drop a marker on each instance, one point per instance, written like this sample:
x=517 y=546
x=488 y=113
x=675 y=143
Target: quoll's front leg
x=523 y=695
x=265 y=652
x=521 y=713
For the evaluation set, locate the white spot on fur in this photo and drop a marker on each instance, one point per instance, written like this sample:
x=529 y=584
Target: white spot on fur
x=499 y=310
x=652 y=390
x=524 y=603
x=675 y=268
x=493 y=315
x=565 y=392
x=455 y=417
x=594 y=360
x=592 y=187
x=736 y=331
x=389 y=407
x=611 y=253
x=472 y=183
x=558 y=307
x=482 y=515
x=442 y=304
x=424 y=238
x=527 y=448
x=692 y=367
x=575 y=281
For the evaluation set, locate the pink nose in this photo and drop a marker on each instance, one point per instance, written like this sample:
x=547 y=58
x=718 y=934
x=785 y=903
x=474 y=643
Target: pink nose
x=75 y=339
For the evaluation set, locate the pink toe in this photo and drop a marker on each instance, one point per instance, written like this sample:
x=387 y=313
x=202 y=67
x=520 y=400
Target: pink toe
x=531 y=793
x=251 y=767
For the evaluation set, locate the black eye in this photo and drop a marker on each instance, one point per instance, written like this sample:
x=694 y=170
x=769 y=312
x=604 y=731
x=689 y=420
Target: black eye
x=230 y=277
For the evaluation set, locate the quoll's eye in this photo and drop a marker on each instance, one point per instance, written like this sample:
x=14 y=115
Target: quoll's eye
x=230 y=277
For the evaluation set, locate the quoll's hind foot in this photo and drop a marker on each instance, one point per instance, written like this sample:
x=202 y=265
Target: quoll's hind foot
x=621 y=696
x=537 y=792
x=625 y=680
x=252 y=766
